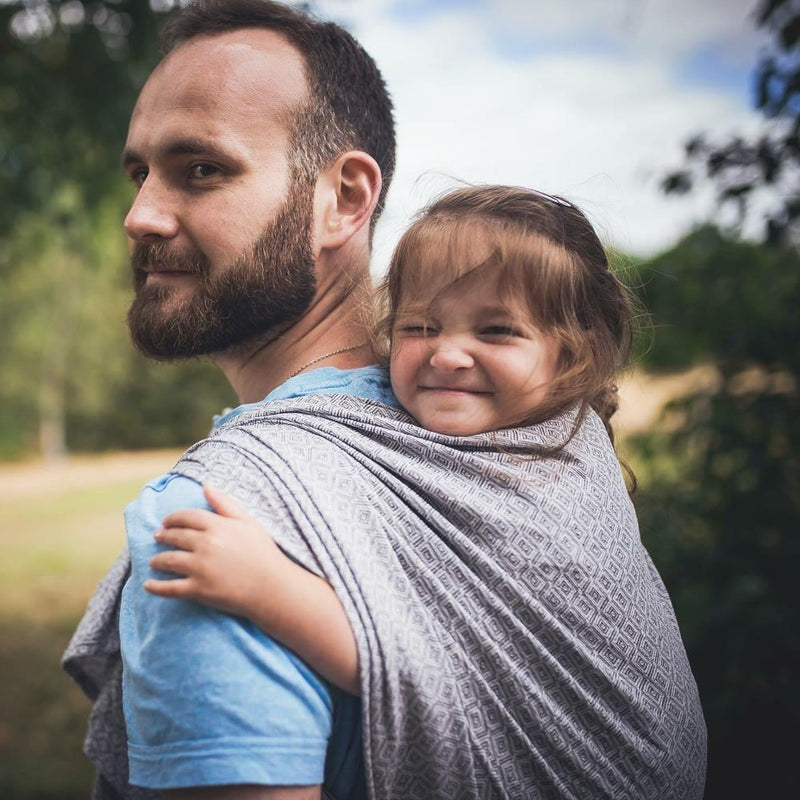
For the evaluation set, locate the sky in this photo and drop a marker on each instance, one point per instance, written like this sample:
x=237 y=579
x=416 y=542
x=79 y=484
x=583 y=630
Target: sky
x=588 y=99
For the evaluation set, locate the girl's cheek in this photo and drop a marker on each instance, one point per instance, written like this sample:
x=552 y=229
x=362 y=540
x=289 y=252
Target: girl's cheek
x=395 y=368
x=403 y=366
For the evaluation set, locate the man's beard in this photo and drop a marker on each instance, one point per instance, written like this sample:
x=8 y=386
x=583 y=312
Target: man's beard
x=270 y=285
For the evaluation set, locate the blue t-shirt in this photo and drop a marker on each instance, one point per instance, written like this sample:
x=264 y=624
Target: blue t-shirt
x=211 y=700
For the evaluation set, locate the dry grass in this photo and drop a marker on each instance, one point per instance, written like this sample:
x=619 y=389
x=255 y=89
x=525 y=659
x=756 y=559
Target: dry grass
x=60 y=528
x=643 y=396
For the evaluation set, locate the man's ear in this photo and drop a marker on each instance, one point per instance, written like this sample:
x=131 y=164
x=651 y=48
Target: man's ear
x=347 y=193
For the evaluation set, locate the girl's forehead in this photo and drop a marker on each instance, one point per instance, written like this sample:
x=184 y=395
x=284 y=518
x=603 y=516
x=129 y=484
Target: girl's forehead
x=478 y=293
x=446 y=285
x=443 y=257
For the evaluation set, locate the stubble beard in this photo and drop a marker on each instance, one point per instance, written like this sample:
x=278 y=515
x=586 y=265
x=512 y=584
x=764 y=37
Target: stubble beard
x=268 y=287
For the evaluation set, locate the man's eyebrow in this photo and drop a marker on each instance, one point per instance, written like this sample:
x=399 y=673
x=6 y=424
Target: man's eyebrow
x=129 y=157
x=179 y=147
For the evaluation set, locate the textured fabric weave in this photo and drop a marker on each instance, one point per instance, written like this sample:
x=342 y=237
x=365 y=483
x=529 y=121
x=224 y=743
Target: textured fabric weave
x=515 y=639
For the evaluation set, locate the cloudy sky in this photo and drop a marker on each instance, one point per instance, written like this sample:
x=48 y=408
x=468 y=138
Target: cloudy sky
x=590 y=99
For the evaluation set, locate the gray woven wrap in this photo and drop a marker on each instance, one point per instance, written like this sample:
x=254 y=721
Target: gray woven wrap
x=515 y=639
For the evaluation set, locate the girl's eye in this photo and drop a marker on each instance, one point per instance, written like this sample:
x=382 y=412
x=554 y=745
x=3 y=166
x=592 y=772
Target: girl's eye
x=500 y=330
x=415 y=330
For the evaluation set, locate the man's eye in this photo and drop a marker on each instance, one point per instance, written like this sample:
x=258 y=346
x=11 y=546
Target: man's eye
x=202 y=170
x=138 y=176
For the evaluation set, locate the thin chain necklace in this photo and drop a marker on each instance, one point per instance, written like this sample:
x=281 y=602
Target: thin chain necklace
x=324 y=356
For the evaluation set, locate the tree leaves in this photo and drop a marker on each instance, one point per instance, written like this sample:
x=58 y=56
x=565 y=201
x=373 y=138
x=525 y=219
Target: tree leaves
x=69 y=76
x=721 y=511
x=758 y=177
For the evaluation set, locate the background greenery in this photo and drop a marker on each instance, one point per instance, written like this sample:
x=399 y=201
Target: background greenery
x=720 y=497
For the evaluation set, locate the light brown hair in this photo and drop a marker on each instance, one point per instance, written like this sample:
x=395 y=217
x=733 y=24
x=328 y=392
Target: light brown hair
x=552 y=269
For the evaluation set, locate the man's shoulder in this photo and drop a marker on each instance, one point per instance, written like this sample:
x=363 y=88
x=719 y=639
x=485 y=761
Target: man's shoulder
x=247 y=451
x=281 y=425
x=161 y=496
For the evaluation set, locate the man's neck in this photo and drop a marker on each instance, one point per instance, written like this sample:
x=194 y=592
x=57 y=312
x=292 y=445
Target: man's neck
x=334 y=332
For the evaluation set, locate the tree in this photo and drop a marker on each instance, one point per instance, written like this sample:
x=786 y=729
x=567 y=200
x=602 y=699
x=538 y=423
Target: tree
x=69 y=76
x=760 y=175
x=720 y=507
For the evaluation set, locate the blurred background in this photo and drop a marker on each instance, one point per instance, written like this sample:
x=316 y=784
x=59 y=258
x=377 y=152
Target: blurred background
x=674 y=124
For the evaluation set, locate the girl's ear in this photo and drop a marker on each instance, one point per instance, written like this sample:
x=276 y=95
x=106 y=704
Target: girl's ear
x=346 y=196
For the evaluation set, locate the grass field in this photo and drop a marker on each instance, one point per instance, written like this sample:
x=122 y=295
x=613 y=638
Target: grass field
x=60 y=529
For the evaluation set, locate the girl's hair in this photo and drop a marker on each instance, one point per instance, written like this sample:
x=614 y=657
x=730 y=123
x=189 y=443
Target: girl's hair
x=552 y=268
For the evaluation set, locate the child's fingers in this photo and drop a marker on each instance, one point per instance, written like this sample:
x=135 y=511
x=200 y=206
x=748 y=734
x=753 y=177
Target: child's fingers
x=177 y=561
x=197 y=518
x=182 y=538
x=223 y=503
x=178 y=587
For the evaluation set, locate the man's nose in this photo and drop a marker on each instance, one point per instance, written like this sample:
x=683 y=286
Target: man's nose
x=152 y=215
x=450 y=354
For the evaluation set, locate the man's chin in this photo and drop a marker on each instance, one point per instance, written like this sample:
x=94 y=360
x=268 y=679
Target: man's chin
x=162 y=346
x=164 y=331
x=154 y=322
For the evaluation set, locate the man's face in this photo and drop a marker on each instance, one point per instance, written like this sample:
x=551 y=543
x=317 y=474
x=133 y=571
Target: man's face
x=221 y=235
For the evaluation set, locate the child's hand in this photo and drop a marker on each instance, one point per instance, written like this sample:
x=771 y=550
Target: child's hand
x=227 y=559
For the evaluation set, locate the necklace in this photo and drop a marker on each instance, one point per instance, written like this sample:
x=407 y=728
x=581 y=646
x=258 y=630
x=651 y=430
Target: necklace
x=324 y=356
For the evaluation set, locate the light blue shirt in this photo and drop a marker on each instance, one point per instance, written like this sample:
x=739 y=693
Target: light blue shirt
x=208 y=698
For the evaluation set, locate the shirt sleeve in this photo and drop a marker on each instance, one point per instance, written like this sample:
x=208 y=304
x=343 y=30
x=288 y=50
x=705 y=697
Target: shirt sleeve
x=208 y=698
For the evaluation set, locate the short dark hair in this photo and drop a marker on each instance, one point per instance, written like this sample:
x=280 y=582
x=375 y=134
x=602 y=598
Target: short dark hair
x=349 y=106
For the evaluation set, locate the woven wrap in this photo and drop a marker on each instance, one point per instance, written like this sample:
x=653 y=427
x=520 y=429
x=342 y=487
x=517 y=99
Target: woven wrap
x=515 y=639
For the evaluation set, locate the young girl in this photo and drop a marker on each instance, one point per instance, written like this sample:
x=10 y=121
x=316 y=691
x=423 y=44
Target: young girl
x=501 y=311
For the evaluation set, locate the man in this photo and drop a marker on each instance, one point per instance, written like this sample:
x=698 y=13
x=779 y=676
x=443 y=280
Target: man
x=261 y=149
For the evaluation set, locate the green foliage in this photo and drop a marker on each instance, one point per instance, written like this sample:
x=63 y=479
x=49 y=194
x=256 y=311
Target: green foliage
x=724 y=528
x=720 y=508
x=765 y=166
x=157 y=405
x=713 y=298
x=723 y=521
x=69 y=77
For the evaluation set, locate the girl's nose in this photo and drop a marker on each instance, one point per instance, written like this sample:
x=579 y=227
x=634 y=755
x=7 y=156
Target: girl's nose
x=449 y=355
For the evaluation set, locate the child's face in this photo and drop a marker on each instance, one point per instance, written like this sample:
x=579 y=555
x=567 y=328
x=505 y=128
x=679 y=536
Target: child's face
x=468 y=365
